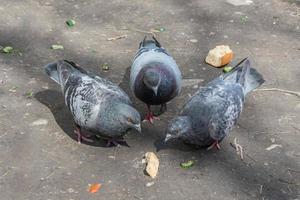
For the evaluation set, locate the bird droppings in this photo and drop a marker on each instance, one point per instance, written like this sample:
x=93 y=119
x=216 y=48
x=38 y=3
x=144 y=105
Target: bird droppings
x=152 y=164
x=39 y=122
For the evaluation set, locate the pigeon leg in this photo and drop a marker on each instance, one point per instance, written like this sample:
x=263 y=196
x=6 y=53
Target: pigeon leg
x=116 y=142
x=214 y=144
x=81 y=135
x=163 y=108
x=150 y=117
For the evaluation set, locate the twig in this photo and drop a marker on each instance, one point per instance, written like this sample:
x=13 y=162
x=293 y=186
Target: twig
x=260 y=190
x=250 y=157
x=280 y=90
x=3 y=175
x=117 y=38
x=293 y=170
x=3 y=135
x=239 y=149
x=142 y=31
x=298 y=129
x=50 y=174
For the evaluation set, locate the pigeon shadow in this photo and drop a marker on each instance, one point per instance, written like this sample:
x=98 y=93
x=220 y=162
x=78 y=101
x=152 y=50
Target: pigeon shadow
x=54 y=101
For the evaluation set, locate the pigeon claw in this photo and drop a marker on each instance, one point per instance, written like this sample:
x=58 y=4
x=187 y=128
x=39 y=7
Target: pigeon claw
x=215 y=144
x=150 y=118
x=116 y=142
x=81 y=136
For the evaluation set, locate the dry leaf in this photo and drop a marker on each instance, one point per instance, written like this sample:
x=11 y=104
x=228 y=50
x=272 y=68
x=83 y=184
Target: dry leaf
x=94 y=187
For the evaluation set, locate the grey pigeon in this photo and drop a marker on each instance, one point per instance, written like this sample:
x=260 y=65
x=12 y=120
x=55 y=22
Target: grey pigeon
x=210 y=114
x=96 y=104
x=155 y=77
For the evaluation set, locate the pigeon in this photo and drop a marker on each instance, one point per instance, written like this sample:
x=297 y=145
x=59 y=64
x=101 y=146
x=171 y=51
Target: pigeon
x=210 y=114
x=155 y=77
x=97 y=105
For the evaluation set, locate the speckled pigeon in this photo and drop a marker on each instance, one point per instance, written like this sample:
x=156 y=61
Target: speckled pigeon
x=211 y=112
x=155 y=77
x=96 y=104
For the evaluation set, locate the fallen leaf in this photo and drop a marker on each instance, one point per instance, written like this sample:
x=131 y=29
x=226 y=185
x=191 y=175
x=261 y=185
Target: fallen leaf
x=273 y=146
x=227 y=69
x=117 y=38
x=187 y=165
x=94 y=188
x=13 y=89
x=152 y=164
x=70 y=22
x=29 y=94
x=244 y=18
x=105 y=67
x=57 y=47
x=8 y=49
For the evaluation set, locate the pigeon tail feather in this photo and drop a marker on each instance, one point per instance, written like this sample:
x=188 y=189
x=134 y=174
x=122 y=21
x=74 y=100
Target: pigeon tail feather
x=51 y=71
x=243 y=74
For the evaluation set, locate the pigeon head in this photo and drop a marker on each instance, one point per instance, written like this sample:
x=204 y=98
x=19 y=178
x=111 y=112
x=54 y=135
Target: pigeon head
x=178 y=127
x=152 y=80
x=128 y=117
x=151 y=44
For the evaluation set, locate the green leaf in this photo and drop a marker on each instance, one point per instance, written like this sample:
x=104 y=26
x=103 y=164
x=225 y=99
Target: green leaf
x=187 y=164
x=244 y=18
x=70 y=22
x=29 y=94
x=105 y=67
x=160 y=29
x=227 y=69
x=8 y=49
x=57 y=46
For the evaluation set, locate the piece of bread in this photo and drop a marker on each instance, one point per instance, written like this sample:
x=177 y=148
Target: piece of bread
x=219 y=56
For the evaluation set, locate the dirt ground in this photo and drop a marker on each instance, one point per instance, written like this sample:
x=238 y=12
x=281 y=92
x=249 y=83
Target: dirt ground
x=40 y=158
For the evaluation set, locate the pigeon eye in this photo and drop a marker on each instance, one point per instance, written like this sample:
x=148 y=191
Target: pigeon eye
x=129 y=120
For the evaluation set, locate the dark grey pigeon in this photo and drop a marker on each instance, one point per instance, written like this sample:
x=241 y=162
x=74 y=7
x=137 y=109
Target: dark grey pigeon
x=96 y=104
x=211 y=112
x=155 y=77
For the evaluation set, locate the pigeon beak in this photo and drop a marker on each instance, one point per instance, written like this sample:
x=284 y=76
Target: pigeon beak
x=168 y=137
x=155 y=90
x=138 y=127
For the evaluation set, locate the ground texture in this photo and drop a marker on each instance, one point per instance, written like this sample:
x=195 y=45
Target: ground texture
x=39 y=156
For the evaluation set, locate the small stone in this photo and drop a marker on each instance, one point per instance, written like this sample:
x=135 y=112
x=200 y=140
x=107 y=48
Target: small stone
x=39 y=122
x=70 y=190
x=193 y=40
x=272 y=140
